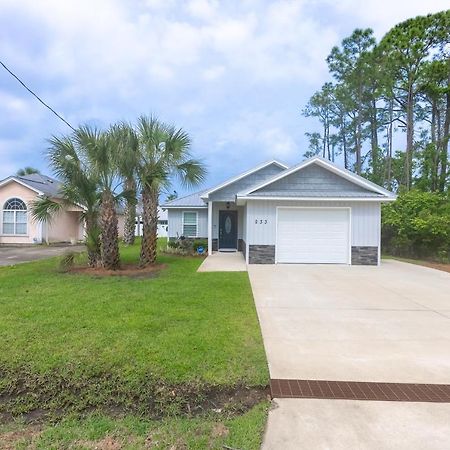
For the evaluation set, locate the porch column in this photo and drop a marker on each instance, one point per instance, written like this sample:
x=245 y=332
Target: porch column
x=210 y=228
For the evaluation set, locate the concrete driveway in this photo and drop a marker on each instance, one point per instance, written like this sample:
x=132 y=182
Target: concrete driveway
x=355 y=323
x=15 y=255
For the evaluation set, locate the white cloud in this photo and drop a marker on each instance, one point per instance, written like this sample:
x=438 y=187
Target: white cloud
x=382 y=15
x=203 y=9
x=213 y=73
x=262 y=133
x=187 y=60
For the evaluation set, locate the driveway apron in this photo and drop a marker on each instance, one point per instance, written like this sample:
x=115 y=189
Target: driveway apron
x=359 y=345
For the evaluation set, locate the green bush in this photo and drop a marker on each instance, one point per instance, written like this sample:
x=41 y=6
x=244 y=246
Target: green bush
x=417 y=224
x=173 y=244
x=199 y=243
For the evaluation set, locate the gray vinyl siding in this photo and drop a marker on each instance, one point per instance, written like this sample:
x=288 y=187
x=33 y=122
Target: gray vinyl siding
x=314 y=181
x=365 y=220
x=228 y=193
x=175 y=218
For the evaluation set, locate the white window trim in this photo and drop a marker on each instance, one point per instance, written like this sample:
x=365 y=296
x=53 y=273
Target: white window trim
x=196 y=223
x=15 y=218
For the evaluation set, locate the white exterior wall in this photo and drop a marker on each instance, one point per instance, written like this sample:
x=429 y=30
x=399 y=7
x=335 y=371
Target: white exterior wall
x=175 y=218
x=365 y=220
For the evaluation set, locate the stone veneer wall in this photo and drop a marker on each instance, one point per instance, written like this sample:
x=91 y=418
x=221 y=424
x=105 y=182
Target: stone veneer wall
x=364 y=256
x=261 y=254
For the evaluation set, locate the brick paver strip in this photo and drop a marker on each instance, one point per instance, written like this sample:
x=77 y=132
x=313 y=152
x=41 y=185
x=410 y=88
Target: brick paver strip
x=360 y=390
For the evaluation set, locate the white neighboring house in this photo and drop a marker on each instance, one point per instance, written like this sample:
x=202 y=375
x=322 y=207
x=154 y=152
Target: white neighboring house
x=162 y=224
x=314 y=212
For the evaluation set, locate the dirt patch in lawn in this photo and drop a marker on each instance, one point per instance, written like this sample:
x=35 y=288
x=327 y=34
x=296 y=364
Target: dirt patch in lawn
x=10 y=439
x=179 y=400
x=439 y=266
x=125 y=270
x=36 y=398
x=445 y=267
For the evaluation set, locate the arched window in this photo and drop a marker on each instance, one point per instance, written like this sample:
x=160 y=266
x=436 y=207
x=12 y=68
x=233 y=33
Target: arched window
x=14 y=217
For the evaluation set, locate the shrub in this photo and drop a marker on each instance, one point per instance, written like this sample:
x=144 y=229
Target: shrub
x=417 y=225
x=199 y=243
x=67 y=261
x=173 y=244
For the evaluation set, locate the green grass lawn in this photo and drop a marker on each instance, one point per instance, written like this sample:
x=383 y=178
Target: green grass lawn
x=97 y=431
x=153 y=347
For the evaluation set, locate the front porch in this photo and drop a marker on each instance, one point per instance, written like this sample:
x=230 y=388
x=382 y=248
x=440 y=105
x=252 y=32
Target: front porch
x=226 y=226
x=224 y=262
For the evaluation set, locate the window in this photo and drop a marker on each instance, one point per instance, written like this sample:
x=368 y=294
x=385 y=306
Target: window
x=14 y=217
x=189 y=224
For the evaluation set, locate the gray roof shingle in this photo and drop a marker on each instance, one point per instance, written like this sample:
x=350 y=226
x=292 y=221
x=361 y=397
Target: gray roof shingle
x=192 y=200
x=43 y=183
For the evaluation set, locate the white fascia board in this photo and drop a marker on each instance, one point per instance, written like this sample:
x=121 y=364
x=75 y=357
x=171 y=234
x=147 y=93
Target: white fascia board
x=10 y=179
x=205 y=195
x=184 y=207
x=241 y=199
x=327 y=165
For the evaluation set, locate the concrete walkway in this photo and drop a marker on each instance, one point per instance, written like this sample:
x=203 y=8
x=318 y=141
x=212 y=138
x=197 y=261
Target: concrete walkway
x=224 y=262
x=354 y=323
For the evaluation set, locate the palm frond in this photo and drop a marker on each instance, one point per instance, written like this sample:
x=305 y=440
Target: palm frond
x=191 y=172
x=45 y=209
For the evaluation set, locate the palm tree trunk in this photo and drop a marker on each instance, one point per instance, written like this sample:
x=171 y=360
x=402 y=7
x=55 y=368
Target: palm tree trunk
x=130 y=214
x=92 y=242
x=110 y=233
x=149 y=226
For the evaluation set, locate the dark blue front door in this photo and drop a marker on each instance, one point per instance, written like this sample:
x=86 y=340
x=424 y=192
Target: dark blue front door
x=227 y=229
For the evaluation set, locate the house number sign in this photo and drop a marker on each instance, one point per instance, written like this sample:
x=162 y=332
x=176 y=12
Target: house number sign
x=261 y=221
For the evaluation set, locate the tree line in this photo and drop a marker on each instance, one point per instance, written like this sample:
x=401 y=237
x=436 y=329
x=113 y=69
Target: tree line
x=401 y=83
x=101 y=170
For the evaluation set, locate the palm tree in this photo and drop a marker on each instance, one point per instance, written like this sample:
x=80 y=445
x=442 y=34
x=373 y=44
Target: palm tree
x=128 y=153
x=27 y=171
x=164 y=155
x=100 y=151
x=79 y=186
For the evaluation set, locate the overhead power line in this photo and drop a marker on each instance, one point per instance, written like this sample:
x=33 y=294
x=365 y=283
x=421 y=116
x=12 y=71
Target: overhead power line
x=36 y=96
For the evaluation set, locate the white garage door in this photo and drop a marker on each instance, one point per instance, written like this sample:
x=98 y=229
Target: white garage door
x=313 y=235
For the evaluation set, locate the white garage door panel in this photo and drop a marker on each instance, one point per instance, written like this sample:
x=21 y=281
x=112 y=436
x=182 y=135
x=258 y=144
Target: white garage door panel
x=313 y=235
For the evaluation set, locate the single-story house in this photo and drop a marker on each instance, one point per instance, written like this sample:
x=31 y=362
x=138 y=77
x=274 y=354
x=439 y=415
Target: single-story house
x=17 y=225
x=314 y=212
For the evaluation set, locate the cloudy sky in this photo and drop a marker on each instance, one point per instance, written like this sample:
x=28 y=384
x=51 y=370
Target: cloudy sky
x=234 y=74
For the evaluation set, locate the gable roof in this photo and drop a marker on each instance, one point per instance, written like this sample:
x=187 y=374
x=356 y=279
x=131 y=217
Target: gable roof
x=39 y=183
x=199 y=199
x=368 y=190
x=191 y=200
x=206 y=193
